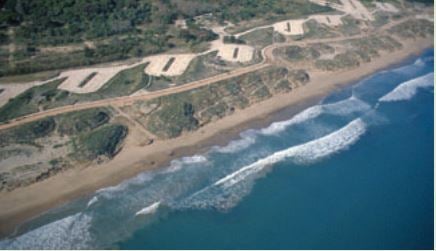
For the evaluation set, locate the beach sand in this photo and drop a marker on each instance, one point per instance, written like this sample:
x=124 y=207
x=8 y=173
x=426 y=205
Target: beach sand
x=25 y=203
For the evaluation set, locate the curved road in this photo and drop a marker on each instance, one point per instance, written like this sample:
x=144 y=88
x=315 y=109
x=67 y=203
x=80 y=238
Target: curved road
x=268 y=59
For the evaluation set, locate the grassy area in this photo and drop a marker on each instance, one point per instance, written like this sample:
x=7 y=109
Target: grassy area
x=263 y=37
x=28 y=133
x=124 y=83
x=105 y=141
x=359 y=51
x=344 y=60
x=31 y=100
x=187 y=111
x=71 y=139
x=371 y=46
x=49 y=96
x=40 y=76
x=82 y=122
x=297 y=53
x=350 y=26
x=313 y=29
x=414 y=28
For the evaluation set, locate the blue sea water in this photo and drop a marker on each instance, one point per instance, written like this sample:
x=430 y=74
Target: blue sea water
x=352 y=172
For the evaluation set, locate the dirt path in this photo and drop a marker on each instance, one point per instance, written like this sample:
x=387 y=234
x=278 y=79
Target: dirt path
x=268 y=59
x=148 y=135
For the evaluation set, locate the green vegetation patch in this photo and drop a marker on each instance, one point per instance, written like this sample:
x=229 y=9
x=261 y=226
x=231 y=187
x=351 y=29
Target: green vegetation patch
x=297 y=53
x=28 y=133
x=48 y=96
x=124 y=83
x=313 y=29
x=32 y=100
x=104 y=141
x=370 y=46
x=263 y=37
x=174 y=117
x=83 y=121
x=340 y=61
x=414 y=28
x=350 y=27
x=188 y=111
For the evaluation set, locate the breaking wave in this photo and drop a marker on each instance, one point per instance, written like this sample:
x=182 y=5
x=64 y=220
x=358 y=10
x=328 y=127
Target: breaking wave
x=229 y=190
x=92 y=201
x=408 y=89
x=341 y=108
x=248 y=138
x=149 y=209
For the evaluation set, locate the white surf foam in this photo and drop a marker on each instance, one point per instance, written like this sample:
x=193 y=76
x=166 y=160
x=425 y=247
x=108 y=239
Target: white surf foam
x=247 y=139
x=340 y=108
x=229 y=190
x=141 y=179
x=92 y=201
x=423 y=61
x=149 y=209
x=305 y=153
x=68 y=233
x=194 y=159
x=408 y=89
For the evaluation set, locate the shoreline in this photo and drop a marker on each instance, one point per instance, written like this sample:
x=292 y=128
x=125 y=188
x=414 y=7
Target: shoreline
x=23 y=204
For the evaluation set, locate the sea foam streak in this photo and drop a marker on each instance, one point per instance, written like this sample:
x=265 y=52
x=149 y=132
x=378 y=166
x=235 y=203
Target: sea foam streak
x=92 y=201
x=149 y=209
x=304 y=153
x=408 y=89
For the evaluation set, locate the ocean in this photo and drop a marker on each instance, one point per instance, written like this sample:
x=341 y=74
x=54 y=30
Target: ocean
x=352 y=172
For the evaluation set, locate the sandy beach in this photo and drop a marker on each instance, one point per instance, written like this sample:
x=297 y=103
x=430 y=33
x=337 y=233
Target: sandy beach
x=25 y=203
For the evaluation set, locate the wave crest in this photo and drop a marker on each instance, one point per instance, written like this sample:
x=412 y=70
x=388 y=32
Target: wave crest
x=229 y=190
x=340 y=108
x=149 y=209
x=408 y=89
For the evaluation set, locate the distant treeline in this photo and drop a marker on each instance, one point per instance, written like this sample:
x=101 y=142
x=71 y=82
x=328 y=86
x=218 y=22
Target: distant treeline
x=55 y=22
x=107 y=30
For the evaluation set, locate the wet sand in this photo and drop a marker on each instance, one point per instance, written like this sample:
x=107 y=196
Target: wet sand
x=25 y=203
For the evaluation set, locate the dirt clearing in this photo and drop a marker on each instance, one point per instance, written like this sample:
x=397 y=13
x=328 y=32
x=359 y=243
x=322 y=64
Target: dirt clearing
x=235 y=53
x=168 y=65
x=290 y=27
x=79 y=81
